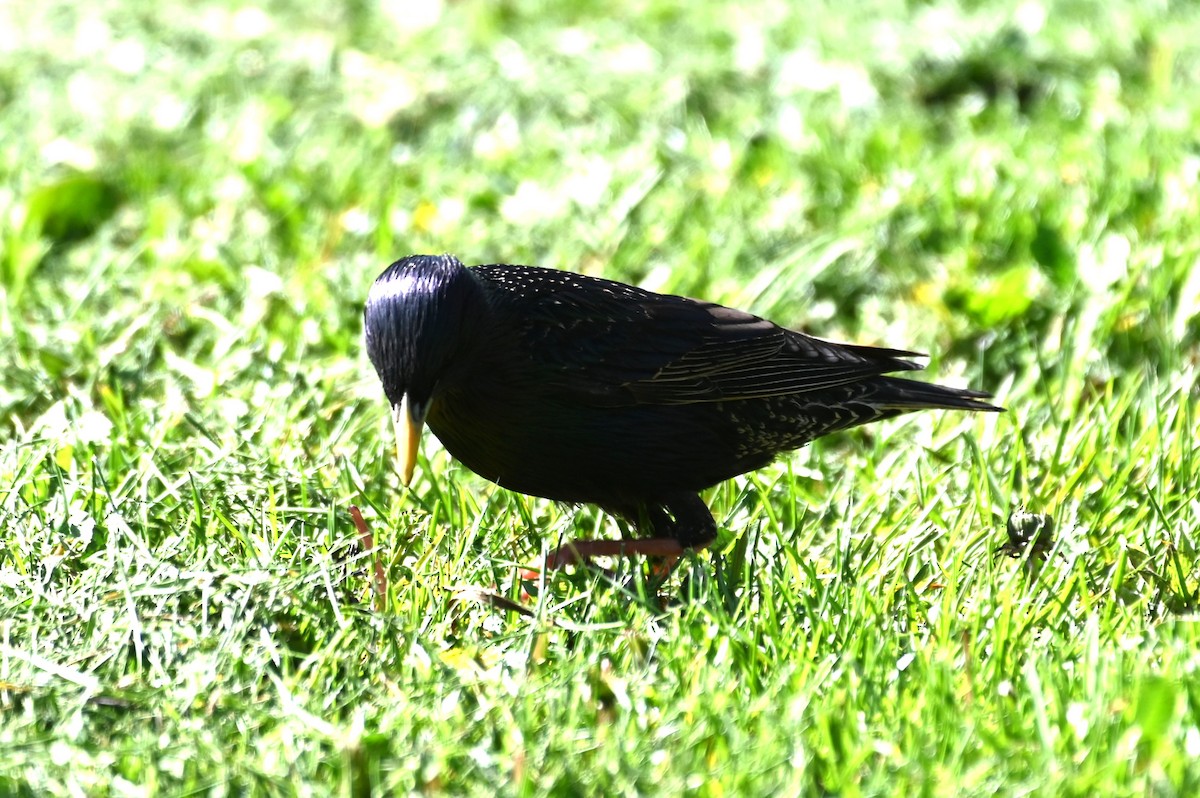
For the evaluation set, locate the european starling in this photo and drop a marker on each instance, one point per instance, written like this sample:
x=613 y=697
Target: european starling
x=585 y=390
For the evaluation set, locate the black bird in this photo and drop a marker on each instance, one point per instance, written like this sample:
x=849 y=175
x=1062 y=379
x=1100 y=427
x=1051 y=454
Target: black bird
x=592 y=391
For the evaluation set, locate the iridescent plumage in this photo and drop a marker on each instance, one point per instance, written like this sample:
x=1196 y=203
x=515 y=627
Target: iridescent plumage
x=592 y=391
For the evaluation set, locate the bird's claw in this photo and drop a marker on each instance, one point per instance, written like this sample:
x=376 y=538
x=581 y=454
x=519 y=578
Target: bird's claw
x=663 y=552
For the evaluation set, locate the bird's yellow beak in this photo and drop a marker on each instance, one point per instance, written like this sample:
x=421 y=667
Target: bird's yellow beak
x=408 y=437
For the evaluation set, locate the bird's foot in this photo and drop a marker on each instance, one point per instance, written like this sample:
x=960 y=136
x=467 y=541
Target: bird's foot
x=666 y=551
x=580 y=552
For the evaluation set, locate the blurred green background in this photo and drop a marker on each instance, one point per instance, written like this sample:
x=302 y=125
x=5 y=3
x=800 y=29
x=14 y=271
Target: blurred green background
x=195 y=198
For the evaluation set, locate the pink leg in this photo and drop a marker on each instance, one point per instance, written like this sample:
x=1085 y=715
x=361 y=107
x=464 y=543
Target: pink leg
x=579 y=552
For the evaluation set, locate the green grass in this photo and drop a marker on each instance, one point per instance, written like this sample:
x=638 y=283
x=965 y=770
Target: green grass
x=195 y=198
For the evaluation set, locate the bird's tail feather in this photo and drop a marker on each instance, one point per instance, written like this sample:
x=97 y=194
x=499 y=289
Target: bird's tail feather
x=902 y=396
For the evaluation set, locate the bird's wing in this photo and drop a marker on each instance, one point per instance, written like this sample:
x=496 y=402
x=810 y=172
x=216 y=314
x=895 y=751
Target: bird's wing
x=616 y=344
x=736 y=355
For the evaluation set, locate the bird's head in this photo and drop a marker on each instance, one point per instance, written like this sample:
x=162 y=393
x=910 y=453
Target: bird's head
x=419 y=322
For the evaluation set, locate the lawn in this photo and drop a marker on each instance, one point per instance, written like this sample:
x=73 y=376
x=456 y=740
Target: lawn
x=195 y=198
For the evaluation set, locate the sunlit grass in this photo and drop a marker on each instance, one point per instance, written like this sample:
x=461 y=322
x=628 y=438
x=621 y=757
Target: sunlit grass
x=196 y=199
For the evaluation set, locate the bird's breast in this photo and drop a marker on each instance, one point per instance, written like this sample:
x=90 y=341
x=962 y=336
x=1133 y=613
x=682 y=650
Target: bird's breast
x=572 y=451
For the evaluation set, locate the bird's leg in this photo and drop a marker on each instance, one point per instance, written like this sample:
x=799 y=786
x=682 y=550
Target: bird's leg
x=694 y=526
x=677 y=523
